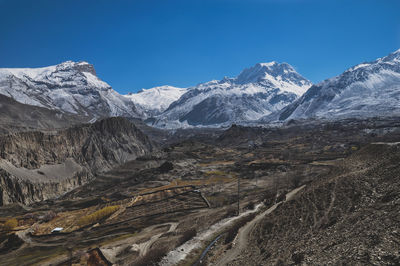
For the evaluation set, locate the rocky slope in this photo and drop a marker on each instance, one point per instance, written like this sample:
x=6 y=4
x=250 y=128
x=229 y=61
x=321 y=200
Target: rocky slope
x=366 y=90
x=349 y=217
x=156 y=100
x=15 y=116
x=256 y=92
x=70 y=87
x=36 y=165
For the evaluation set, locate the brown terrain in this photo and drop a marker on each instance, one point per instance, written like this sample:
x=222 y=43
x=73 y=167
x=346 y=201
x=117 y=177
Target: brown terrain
x=39 y=165
x=310 y=193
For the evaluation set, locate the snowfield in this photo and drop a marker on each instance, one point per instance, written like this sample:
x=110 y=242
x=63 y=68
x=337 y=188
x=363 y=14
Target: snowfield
x=156 y=100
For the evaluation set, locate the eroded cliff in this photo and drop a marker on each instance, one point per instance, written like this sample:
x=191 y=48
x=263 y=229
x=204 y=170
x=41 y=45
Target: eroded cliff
x=35 y=166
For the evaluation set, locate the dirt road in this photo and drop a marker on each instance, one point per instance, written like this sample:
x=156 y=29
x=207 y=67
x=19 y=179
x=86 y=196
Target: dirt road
x=241 y=239
x=178 y=254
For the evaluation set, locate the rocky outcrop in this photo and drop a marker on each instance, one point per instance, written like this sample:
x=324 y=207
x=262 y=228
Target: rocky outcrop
x=14 y=189
x=36 y=165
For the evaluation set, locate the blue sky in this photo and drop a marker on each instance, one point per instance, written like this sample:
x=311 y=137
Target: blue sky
x=140 y=44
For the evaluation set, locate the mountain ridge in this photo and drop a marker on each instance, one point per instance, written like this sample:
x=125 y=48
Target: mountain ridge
x=70 y=87
x=256 y=91
x=365 y=90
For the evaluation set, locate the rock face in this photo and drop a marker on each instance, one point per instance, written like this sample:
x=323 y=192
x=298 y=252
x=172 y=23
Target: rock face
x=366 y=90
x=256 y=92
x=18 y=190
x=36 y=165
x=70 y=87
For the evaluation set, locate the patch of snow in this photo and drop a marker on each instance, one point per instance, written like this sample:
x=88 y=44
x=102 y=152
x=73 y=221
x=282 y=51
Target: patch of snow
x=157 y=98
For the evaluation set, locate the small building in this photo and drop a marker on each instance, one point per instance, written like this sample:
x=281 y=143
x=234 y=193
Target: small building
x=57 y=230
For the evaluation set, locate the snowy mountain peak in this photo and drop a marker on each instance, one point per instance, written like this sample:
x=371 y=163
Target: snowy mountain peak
x=365 y=90
x=81 y=66
x=256 y=73
x=71 y=87
x=44 y=72
x=278 y=75
x=397 y=52
x=394 y=57
x=257 y=91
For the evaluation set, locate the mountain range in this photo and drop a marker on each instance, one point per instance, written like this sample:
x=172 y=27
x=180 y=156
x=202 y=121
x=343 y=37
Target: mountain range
x=365 y=90
x=263 y=93
x=254 y=93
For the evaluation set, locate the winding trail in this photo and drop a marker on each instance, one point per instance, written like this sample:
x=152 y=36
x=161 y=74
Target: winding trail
x=178 y=254
x=112 y=250
x=241 y=240
x=144 y=247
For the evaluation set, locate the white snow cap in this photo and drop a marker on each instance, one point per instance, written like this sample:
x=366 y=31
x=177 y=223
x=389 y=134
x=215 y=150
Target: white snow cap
x=71 y=87
x=278 y=75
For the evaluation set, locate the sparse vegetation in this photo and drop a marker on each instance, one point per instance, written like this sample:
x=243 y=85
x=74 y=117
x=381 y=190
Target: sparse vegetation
x=10 y=224
x=251 y=205
x=48 y=216
x=230 y=212
x=174 y=198
x=212 y=179
x=216 y=173
x=98 y=215
x=187 y=235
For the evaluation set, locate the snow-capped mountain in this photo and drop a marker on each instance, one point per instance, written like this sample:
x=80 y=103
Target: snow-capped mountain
x=256 y=92
x=70 y=87
x=156 y=100
x=366 y=90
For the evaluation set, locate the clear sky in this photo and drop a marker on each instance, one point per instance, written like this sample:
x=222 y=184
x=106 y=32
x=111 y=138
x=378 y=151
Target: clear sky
x=141 y=44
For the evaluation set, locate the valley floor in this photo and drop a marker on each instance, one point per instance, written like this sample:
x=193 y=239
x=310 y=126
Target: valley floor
x=309 y=194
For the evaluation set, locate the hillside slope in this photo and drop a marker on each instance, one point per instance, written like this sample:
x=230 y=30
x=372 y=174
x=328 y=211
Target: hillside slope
x=350 y=217
x=15 y=116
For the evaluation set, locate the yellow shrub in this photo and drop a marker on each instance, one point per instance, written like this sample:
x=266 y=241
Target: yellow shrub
x=216 y=173
x=10 y=224
x=98 y=215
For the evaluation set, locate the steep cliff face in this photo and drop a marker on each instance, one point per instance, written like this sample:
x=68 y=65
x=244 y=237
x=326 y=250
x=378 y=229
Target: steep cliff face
x=14 y=189
x=36 y=165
